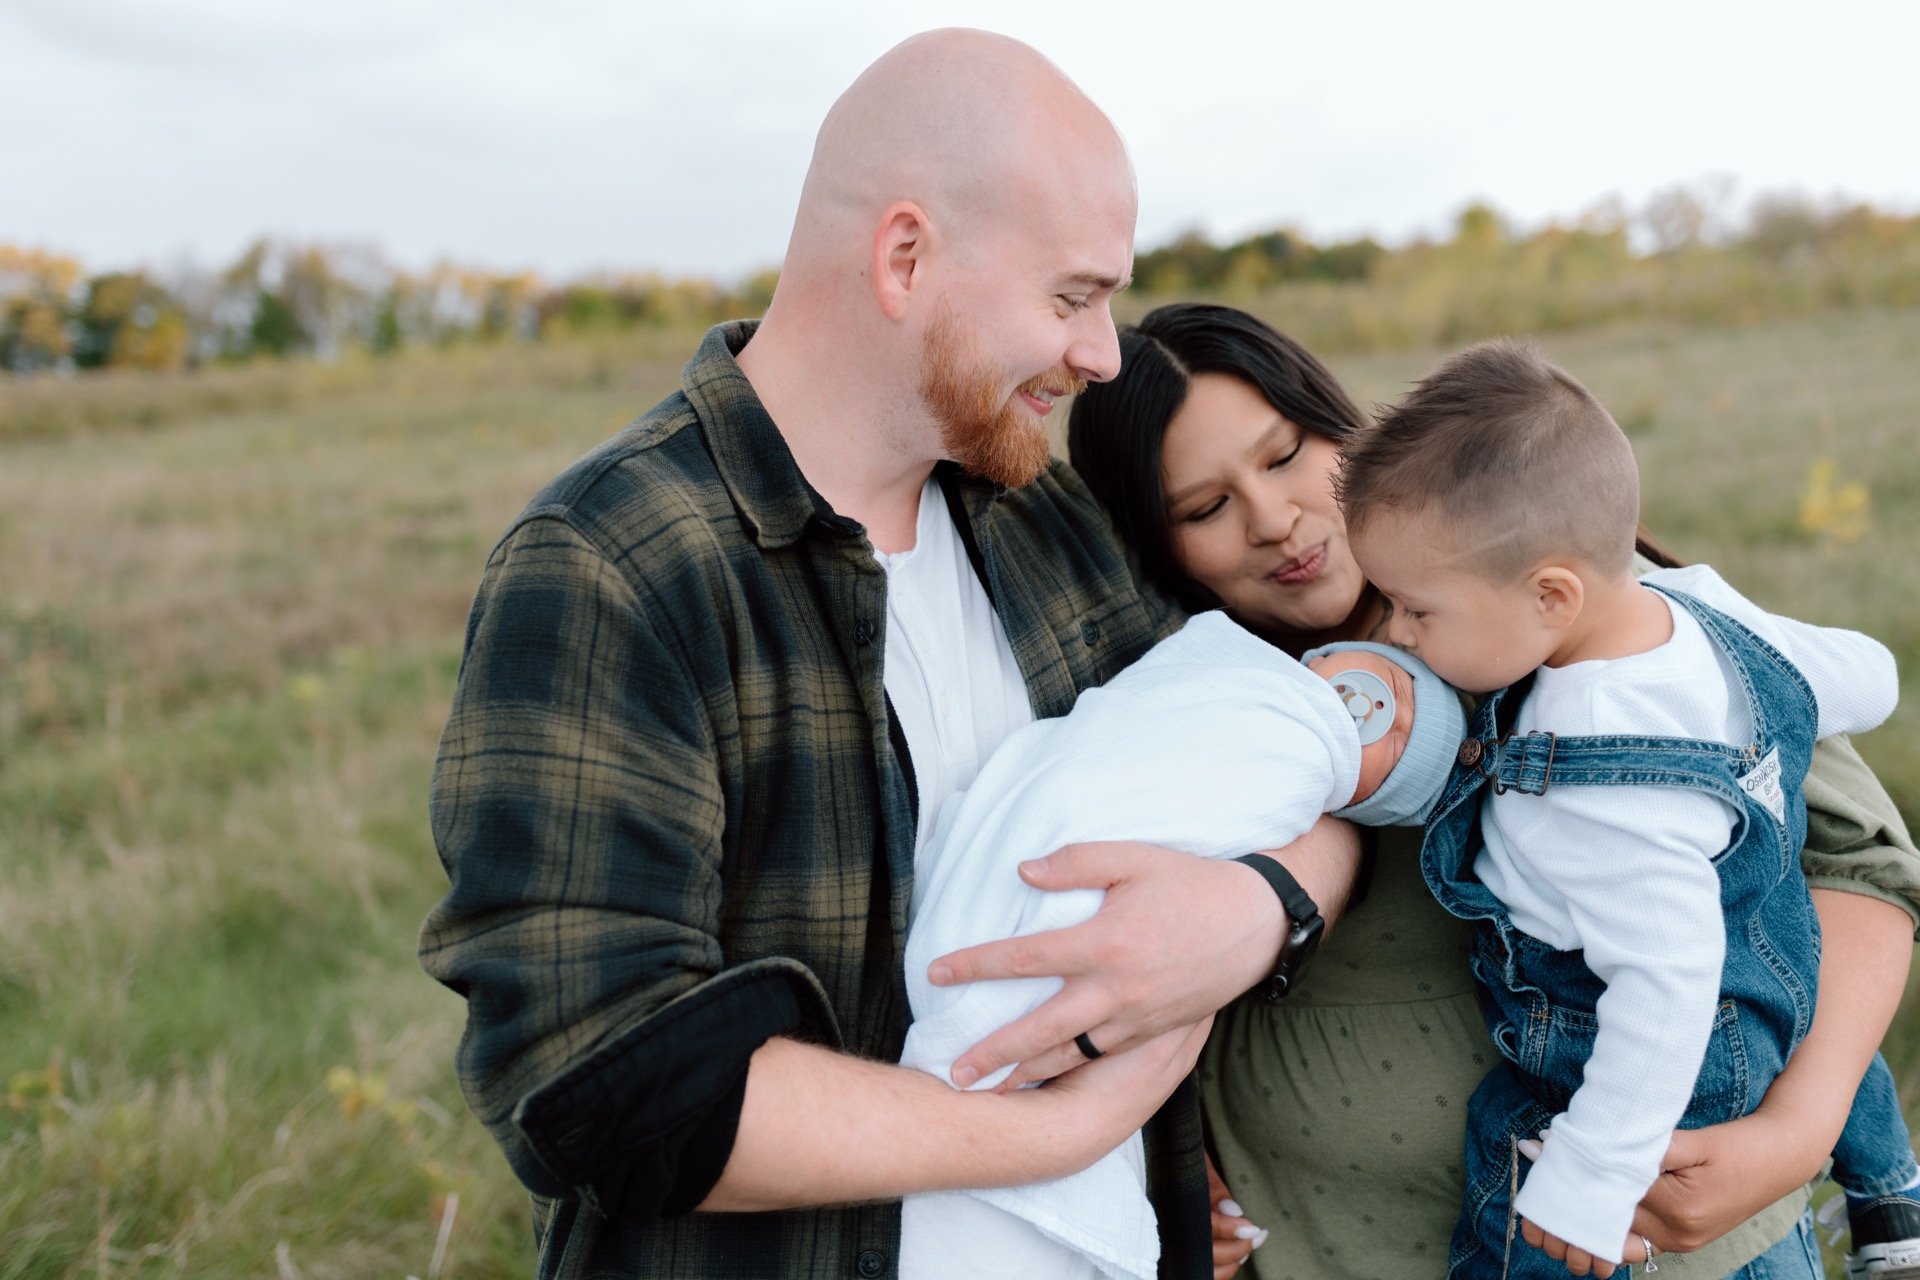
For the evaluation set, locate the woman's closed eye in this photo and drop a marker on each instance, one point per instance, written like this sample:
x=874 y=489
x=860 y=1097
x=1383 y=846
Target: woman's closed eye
x=1299 y=443
x=1206 y=512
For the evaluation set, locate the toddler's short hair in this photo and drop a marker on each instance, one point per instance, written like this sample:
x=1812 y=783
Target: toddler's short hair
x=1508 y=450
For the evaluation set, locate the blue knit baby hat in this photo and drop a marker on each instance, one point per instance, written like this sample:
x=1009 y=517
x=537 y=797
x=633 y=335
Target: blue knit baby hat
x=1439 y=724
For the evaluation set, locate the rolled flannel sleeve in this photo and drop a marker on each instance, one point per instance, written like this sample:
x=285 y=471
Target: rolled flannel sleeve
x=578 y=808
x=1856 y=839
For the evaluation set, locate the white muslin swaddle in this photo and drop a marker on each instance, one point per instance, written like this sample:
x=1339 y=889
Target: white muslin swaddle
x=1214 y=743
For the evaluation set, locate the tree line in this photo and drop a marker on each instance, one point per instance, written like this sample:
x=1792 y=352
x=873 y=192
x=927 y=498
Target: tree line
x=283 y=299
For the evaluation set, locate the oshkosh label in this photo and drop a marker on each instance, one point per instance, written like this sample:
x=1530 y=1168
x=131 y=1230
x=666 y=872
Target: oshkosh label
x=1763 y=784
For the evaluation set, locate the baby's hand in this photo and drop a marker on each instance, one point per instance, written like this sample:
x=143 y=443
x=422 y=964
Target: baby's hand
x=1579 y=1261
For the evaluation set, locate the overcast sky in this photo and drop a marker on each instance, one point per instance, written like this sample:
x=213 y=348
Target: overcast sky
x=566 y=135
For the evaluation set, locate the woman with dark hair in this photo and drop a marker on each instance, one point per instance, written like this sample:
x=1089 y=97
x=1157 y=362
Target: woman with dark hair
x=1209 y=364
x=1337 y=1114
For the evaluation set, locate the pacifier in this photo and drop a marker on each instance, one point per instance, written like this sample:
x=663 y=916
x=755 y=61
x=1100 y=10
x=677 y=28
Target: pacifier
x=1368 y=699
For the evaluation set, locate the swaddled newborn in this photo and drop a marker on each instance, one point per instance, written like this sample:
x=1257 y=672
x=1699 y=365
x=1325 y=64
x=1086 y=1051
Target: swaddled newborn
x=1214 y=743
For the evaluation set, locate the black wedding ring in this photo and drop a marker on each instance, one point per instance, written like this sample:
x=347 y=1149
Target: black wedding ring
x=1086 y=1046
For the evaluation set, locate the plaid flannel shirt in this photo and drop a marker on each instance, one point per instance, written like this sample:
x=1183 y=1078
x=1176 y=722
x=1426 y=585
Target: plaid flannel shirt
x=678 y=819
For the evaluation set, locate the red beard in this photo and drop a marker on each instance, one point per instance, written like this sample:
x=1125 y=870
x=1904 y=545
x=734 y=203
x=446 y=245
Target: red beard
x=988 y=433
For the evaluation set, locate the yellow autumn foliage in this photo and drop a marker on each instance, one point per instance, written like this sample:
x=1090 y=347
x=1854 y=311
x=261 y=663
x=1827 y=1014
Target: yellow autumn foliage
x=1841 y=511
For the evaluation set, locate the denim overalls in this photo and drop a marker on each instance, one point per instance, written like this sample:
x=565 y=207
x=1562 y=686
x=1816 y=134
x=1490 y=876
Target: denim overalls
x=1540 y=1002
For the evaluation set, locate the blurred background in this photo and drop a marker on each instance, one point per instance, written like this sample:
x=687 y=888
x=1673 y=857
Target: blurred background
x=298 y=306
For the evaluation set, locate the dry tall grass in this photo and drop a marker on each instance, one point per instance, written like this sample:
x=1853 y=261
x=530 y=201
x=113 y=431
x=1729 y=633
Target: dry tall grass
x=225 y=650
x=226 y=646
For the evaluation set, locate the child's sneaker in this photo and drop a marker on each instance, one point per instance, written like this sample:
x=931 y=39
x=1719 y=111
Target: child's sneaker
x=1886 y=1239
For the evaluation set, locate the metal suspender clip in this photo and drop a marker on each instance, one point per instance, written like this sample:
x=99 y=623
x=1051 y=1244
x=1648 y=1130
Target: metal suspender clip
x=1499 y=758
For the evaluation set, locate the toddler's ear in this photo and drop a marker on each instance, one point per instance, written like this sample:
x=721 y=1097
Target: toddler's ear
x=1559 y=594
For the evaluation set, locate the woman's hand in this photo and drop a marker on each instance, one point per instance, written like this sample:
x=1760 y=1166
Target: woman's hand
x=1176 y=938
x=1714 y=1179
x=1234 y=1238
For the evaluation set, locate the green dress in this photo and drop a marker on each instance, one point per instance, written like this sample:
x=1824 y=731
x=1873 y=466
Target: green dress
x=1337 y=1116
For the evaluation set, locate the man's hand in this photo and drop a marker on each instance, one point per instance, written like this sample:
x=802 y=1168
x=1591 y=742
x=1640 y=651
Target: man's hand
x=819 y=1127
x=1098 y=1106
x=1176 y=938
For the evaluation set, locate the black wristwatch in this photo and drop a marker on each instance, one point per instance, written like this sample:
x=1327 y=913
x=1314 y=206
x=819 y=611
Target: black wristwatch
x=1303 y=919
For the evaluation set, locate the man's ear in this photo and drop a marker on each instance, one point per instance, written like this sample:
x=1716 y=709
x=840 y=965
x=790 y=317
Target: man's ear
x=900 y=244
x=1559 y=594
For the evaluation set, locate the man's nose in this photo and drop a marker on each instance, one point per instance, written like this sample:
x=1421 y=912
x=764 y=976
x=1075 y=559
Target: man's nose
x=1095 y=353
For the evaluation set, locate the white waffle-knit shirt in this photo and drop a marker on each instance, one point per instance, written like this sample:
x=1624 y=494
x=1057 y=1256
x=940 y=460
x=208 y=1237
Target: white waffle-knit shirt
x=1626 y=874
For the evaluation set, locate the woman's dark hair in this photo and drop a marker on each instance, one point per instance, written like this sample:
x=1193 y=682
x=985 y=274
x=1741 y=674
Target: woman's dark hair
x=1116 y=428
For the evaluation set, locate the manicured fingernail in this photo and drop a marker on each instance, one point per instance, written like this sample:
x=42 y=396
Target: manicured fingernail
x=1529 y=1148
x=963 y=1077
x=1261 y=1238
x=1232 y=1209
x=1248 y=1232
x=1544 y=1133
x=1033 y=867
x=940 y=975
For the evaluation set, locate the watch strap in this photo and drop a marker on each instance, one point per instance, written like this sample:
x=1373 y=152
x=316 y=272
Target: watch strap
x=1295 y=900
x=1304 y=926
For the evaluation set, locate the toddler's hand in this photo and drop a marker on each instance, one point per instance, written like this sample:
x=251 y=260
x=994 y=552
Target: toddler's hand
x=1636 y=1249
x=1579 y=1261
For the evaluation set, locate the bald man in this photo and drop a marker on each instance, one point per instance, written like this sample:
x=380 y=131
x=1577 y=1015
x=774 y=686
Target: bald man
x=719 y=676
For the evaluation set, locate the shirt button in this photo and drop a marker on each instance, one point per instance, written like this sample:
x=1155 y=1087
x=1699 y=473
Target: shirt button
x=863 y=633
x=1089 y=632
x=871 y=1265
x=1470 y=752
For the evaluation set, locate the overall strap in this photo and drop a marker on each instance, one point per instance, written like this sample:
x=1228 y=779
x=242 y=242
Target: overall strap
x=1531 y=763
x=1534 y=763
x=1780 y=703
x=1490 y=724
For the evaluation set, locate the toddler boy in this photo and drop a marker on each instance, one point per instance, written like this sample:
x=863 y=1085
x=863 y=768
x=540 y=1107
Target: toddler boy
x=1646 y=948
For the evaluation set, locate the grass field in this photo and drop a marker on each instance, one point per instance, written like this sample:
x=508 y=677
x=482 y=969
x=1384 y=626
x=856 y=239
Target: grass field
x=230 y=615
